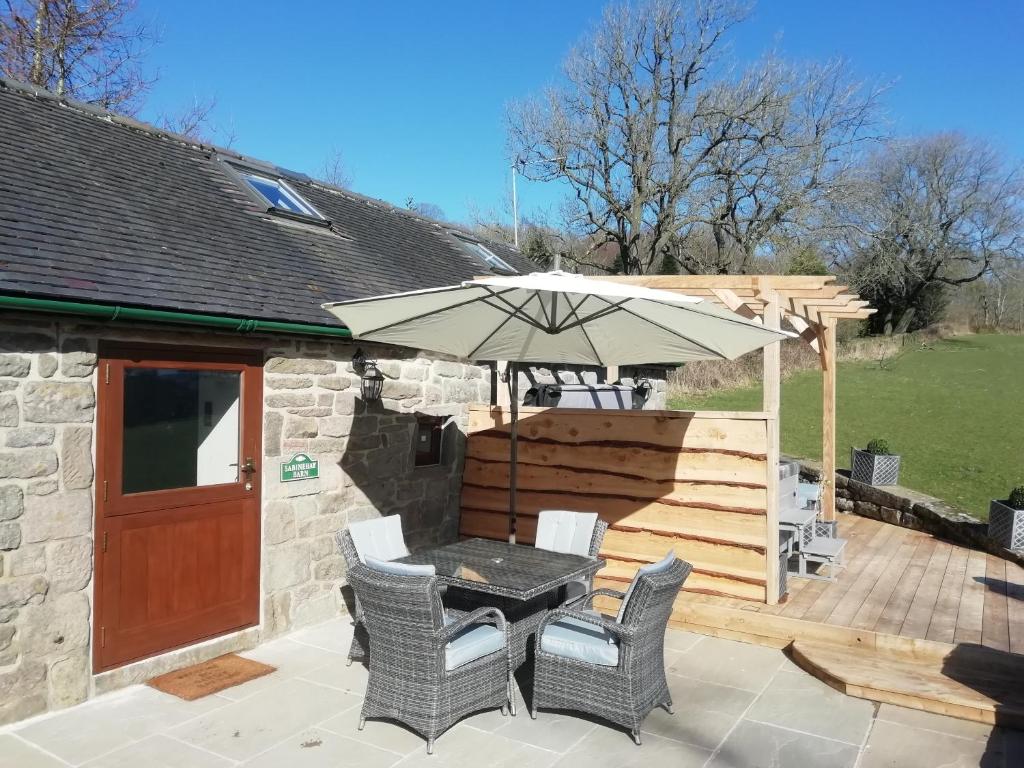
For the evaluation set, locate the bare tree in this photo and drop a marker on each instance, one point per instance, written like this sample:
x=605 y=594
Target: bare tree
x=195 y=121
x=627 y=129
x=88 y=50
x=334 y=172
x=793 y=135
x=937 y=212
x=430 y=210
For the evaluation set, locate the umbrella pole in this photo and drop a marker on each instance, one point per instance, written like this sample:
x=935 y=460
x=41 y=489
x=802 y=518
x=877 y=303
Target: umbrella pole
x=513 y=448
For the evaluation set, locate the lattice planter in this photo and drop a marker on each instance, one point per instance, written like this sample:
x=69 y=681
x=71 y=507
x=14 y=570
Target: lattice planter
x=875 y=468
x=1006 y=525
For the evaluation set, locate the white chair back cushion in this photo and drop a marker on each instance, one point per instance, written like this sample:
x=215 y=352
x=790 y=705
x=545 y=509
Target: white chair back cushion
x=381 y=538
x=399 y=569
x=567 y=532
x=661 y=565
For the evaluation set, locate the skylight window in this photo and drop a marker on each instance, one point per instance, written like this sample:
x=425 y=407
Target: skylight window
x=279 y=195
x=487 y=256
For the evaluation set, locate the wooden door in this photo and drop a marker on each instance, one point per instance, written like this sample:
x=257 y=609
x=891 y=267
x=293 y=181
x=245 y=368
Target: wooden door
x=177 y=498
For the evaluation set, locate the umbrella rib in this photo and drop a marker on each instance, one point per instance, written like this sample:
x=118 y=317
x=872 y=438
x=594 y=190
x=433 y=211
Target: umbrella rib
x=572 y=311
x=665 y=328
x=583 y=330
x=516 y=311
x=431 y=312
x=502 y=324
x=596 y=315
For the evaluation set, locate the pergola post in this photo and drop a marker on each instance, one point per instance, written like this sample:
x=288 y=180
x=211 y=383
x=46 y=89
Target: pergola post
x=827 y=344
x=771 y=389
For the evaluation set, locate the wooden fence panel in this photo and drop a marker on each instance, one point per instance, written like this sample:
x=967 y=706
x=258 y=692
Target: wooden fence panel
x=690 y=481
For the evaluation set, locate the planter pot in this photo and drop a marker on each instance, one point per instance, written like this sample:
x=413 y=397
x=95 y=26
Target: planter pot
x=1006 y=525
x=875 y=468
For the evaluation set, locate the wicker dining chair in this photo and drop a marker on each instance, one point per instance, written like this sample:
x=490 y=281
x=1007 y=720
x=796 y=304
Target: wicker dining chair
x=576 y=533
x=383 y=539
x=429 y=670
x=611 y=668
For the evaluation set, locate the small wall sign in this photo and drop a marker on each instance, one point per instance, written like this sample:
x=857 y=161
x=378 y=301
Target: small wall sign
x=299 y=467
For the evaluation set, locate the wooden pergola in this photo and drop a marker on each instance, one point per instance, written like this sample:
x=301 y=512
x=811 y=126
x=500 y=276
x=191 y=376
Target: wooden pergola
x=812 y=306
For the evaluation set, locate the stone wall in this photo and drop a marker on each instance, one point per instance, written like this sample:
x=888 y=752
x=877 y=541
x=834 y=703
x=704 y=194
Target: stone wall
x=366 y=454
x=47 y=410
x=580 y=374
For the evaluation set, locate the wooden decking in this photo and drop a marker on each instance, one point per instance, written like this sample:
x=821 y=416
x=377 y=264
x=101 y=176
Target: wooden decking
x=909 y=584
x=912 y=620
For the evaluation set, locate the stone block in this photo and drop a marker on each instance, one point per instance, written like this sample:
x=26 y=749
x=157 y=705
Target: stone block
x=447 y=369
x=336 y=383
x=12 y=502
x=867 y=509
x=328 y=445
x=277 y=613
x=330 y=568
x=298 y=426
x=9 y=416
x=889 y=515
x=16 y=366
x=28 y=560
x=10 y=536
x=51 y=402
x=68 y=681
x=76 y=457
x=321 y=525
x=6 y=636
x=289 y=382
x=24 y=681
x=21 y=590
x=298 y=365
x=22 y=707
x=336 y=426
x=317 y=610
x=316 y=411
x=460 y=391
x=348 y=404
x=77 y=358
x=415 y=372
x=58 y=625
x=57 y=516
x=286 y=566
x=28 y=463
x=69 y=564
x=290 y=400
x=324 y=546
x=46 y=365
x=278 y=523
x=272 y=426
x=30 y=437
x=401 y=390
x=334 y=502
x=41 y=488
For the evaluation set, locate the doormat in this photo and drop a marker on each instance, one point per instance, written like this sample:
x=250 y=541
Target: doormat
x=209 y=677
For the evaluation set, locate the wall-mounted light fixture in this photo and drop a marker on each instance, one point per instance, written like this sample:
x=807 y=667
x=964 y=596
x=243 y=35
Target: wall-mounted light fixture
x=371 y=379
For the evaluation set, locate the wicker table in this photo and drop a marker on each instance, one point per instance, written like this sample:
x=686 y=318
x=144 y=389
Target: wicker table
x=518 y=579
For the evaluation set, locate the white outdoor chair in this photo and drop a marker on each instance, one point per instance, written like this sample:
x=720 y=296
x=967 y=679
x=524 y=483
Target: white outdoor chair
x=573 y=533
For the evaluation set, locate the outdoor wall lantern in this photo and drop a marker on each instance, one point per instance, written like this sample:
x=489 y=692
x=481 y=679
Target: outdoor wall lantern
x=372 y=380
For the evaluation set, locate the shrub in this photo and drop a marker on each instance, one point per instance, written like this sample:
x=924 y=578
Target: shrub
x=1016 y=499
x=878 y=447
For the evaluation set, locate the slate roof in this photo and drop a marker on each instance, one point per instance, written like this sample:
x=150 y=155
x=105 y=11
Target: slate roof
x=103 y=209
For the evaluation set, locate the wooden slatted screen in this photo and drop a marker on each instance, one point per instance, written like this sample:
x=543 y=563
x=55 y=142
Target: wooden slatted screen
x=694 y=482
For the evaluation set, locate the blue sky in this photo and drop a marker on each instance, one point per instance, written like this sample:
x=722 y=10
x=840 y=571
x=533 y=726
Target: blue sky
x=413 y=93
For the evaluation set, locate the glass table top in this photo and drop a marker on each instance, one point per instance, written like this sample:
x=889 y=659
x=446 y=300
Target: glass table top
x=513 y=570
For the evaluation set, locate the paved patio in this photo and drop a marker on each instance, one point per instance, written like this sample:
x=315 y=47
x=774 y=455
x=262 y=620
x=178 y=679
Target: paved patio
x=736 y=705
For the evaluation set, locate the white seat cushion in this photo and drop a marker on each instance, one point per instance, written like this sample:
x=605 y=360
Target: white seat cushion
x=568 y=532
x=399 y=569
x=381 y=538
x=657 y=567
x=576 y=639
x=471 y=643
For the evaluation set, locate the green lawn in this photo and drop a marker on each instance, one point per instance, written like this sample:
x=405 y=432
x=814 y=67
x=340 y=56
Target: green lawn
x=954 y=411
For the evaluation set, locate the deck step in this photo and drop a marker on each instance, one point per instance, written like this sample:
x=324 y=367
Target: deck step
x=970 y=681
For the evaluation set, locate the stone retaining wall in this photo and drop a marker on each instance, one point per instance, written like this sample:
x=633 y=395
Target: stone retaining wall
x=910 y=509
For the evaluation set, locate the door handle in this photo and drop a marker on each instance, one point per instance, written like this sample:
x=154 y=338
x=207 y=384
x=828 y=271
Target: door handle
x=248 y=467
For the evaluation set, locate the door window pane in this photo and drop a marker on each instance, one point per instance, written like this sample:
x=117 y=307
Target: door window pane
x=180 y=428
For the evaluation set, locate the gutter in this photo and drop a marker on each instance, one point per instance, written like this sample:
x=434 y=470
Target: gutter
x=116 y=313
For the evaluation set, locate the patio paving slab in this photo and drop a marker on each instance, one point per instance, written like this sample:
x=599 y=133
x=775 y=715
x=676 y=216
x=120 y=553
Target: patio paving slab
x=928 y=721
x=383 y=734
x=704 y=712
x=614 y=748
x=799 y=701
x=15 y=753
x=755 y=745
x=85 y=732
x=318 y=748
x=894 y=745
x=158 y=752
x=290 y=658
x=466 y=747
x=727 y=662
x=243 y=729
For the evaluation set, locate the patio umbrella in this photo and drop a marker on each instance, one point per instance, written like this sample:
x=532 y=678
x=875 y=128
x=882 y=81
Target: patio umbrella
x=553 y=317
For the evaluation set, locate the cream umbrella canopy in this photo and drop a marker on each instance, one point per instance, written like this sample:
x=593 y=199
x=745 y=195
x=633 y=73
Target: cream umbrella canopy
x=555 y=318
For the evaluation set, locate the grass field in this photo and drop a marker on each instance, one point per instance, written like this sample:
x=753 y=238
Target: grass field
x=954 y=411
